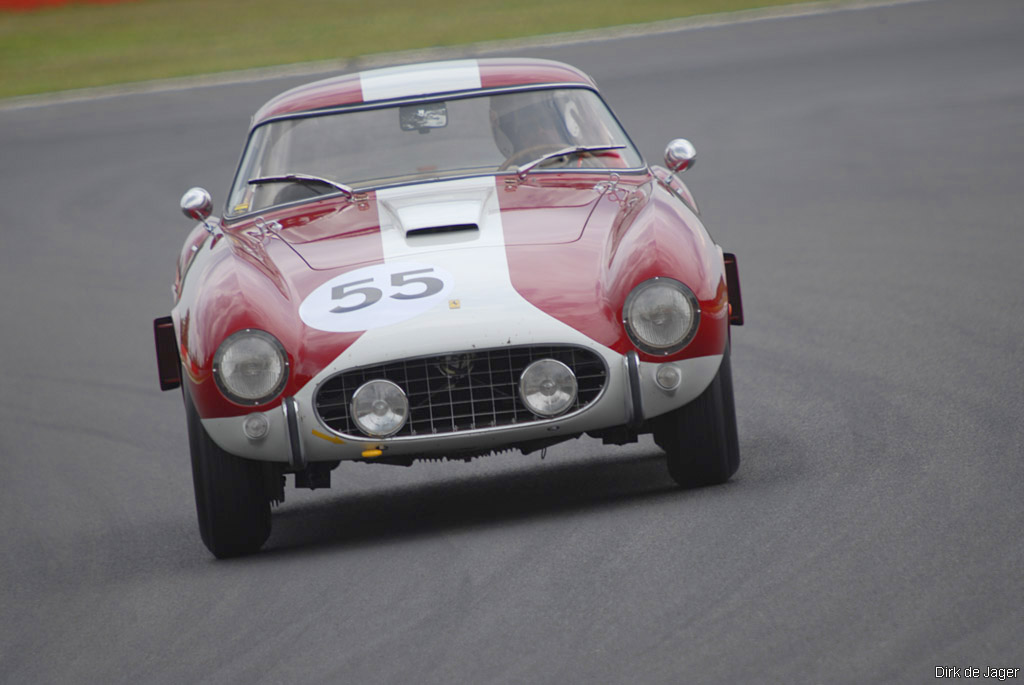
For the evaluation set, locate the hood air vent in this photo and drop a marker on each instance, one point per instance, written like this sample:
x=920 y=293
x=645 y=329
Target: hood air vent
x=436 y=230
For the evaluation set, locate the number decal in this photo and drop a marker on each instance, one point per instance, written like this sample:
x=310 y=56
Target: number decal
x=375 y=296
x=433 y=285
x=370 y=295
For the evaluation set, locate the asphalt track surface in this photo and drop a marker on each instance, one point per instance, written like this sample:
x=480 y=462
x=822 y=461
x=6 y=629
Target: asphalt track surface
x=864 y=165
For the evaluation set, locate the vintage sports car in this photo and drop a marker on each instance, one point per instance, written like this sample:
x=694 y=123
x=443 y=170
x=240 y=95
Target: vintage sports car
x=436 y=261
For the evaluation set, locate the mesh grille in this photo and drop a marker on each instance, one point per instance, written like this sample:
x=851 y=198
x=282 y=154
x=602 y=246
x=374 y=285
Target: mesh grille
x=461 y=391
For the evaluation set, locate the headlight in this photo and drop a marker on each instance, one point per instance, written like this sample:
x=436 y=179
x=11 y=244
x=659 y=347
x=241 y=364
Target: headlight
x=379 y=408
x=661 y=316
x=250 y=367
x=547 y=387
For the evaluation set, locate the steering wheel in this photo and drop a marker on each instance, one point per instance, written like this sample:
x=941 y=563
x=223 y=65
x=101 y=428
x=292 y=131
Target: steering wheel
x=529 y=154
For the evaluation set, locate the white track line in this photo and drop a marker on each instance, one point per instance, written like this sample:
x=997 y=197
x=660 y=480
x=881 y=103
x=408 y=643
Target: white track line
x=325 y=67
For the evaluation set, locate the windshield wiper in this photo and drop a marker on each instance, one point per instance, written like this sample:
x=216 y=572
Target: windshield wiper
x=304 y=179
x=564 y=152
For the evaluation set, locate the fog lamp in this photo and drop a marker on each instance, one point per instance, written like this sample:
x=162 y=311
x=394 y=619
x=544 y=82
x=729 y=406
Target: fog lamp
x=547 y=387
x=380 y=408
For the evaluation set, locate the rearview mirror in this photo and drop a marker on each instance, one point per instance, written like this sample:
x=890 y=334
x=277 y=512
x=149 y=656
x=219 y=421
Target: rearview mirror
x=423 y=117
x=680 y=155
x=196 y=204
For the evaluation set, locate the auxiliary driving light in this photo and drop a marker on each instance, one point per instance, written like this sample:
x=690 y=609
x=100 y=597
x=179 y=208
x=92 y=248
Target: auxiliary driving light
x=547 y=387
x=379 y=408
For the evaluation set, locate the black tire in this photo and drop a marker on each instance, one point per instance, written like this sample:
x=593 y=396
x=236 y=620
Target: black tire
x=700 y=438
x=231 y=494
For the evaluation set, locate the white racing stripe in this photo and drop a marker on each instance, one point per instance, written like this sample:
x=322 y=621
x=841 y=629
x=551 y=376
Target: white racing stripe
x=481 y=308
x=419 y=79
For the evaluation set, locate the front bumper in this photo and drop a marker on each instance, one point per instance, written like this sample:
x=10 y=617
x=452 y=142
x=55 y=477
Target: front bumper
x=627 y=399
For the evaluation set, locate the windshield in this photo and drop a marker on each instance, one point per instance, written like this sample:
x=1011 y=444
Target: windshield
x=428 y=140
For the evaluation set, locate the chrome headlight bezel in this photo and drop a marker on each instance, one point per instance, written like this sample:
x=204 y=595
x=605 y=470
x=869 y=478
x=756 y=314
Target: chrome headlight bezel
x=273 y=353
x=635 y=300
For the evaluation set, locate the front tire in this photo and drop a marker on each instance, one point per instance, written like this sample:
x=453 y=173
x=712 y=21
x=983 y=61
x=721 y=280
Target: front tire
x=232 y=503
x=700 y=438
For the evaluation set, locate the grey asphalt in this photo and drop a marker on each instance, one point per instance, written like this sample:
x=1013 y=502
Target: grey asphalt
x=865 y=167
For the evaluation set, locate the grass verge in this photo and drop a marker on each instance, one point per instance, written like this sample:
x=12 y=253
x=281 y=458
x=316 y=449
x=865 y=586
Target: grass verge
x=80 y=46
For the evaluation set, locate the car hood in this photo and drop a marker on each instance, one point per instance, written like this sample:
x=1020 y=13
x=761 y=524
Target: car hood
x=453 y=265
x=446 y=215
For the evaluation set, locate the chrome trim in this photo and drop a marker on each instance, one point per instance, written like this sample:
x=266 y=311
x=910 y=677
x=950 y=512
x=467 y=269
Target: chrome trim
x=468 y=432
x=462 y=94
x=611 y=185
x=264 y=228
x=296 y=453
x=472 y=431
x=636 y=399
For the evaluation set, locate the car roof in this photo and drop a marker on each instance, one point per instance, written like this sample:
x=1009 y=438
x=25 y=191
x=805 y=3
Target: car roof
x=428 y=78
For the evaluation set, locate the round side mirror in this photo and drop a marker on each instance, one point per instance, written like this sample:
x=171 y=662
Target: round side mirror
x=680 y=155
x=196 y=204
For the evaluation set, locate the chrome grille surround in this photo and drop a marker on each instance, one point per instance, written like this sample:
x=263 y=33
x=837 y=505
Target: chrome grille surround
x=463 y=391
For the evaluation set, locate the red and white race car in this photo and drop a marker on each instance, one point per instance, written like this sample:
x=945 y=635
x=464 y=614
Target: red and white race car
x=443 y=260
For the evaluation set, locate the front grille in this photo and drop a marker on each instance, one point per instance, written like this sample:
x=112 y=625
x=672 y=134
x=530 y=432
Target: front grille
x=461 y=391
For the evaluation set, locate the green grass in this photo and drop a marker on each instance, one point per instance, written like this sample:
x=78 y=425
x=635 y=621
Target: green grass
x=78 y=46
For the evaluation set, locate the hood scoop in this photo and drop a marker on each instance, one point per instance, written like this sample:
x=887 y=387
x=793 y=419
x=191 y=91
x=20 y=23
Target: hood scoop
x=428 y=218
x=439 y=230
x=437 y=216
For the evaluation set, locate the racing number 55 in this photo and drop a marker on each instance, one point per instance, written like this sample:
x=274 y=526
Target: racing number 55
x=372 y=294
